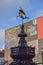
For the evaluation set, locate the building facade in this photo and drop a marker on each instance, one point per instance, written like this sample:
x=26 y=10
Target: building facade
x=34 y=32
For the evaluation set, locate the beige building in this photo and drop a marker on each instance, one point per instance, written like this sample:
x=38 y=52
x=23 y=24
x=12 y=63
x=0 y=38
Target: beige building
x=34 y=39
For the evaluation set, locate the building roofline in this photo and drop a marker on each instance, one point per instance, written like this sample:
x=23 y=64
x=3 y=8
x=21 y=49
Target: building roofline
x=24 y=23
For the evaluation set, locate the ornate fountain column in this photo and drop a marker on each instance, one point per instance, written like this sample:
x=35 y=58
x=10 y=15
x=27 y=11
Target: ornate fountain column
x=22 y=54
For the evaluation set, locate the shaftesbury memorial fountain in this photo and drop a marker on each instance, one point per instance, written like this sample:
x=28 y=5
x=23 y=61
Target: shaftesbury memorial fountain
x=22 y=54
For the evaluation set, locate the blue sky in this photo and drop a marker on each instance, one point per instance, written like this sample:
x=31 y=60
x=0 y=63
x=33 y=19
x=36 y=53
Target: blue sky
x=9 y=11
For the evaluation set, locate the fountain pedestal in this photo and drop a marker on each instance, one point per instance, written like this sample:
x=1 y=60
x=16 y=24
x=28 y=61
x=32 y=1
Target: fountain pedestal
x=22 y=54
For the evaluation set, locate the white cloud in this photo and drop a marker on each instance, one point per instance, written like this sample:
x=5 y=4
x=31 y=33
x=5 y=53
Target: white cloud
x=2 y=38
x=2 y=34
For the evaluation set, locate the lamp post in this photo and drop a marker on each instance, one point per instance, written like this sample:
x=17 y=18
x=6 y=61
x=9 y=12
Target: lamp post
x=42 y=55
